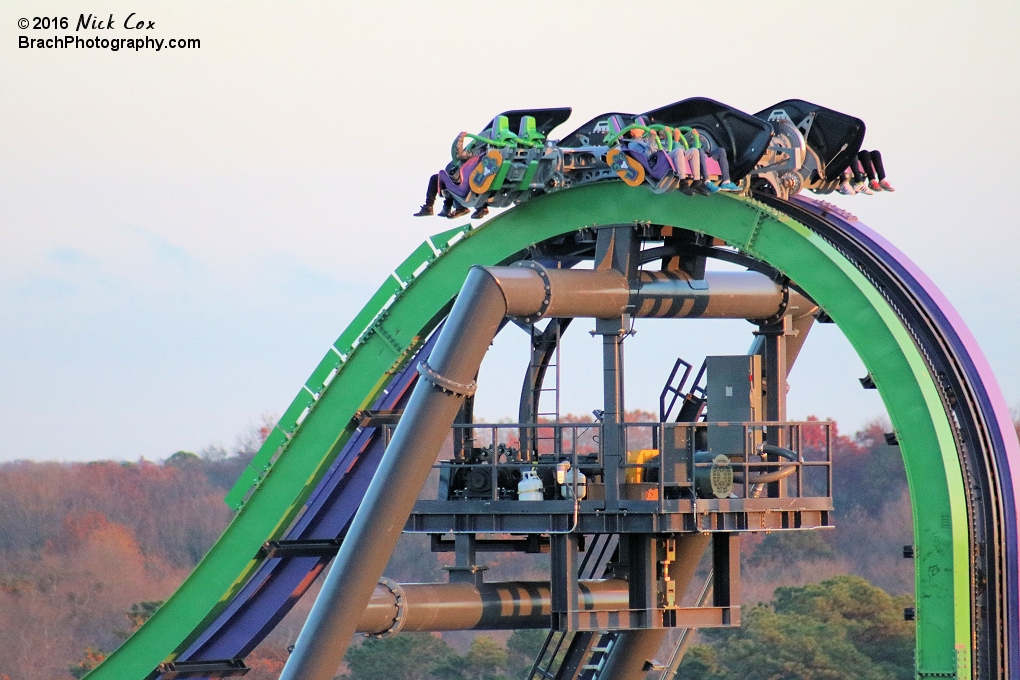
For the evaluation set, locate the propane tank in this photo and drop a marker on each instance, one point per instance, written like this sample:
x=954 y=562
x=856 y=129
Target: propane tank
x=567 y=483
x=530 y=487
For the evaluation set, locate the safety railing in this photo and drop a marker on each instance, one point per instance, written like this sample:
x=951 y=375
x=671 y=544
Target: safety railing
x=662 y=461
x=790 y=459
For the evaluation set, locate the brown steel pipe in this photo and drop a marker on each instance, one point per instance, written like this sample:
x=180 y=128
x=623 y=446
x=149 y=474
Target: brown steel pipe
x=533 y=291
x=487 y=606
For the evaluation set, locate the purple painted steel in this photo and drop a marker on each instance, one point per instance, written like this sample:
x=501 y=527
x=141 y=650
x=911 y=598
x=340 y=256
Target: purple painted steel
x=279 y=583
x=992 y=403
x=462 y=188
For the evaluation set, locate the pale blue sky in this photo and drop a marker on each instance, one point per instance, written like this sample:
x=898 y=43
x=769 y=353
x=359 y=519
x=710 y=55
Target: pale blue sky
x=184 y=233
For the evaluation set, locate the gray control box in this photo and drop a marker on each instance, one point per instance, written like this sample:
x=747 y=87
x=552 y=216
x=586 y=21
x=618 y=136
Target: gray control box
x=734 y=397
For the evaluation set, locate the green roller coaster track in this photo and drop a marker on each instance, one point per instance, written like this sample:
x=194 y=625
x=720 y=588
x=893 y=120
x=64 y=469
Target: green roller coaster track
x=417 y=296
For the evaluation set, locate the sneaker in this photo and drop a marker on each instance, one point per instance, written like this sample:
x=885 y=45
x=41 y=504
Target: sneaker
x=863 y=188
x=685 y=187
x=729 y=186
x=885 y=185
x=711 y=186
x=481 y=212
x=846 y=189
x=426 y=211
x=699 y=187
x=875 y=186
x=458 y=212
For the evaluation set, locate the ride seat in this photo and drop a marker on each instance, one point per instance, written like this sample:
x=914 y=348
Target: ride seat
x=528 y=132
x=501 y=130
x=657 y=167
x=615 y=124
x=462 y=188
x=712 y=167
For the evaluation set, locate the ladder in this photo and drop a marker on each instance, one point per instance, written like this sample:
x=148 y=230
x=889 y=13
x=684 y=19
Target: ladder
x=546 y=346
x=692 y=403
x=598 y=655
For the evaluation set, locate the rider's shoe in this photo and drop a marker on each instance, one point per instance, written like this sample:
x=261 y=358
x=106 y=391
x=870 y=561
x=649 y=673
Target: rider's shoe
x=875 y=186
x=480 y=212
x=729 y=186
x=699 y=187
x=426 y=211
x=458 y=212
x=846 y=188
x=885 y=185
x=711 y=186
x=863 y=188
x=685 y=187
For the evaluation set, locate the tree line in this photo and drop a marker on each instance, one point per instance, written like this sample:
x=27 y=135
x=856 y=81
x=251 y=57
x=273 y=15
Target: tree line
x=87 y=550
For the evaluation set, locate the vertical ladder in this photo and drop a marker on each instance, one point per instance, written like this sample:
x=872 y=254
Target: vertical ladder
x=545 y=364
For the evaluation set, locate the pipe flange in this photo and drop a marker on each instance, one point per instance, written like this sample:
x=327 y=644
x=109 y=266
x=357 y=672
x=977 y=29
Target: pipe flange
x=541 y=271
x=401 y=602
x=445 y=384
x=781 y=312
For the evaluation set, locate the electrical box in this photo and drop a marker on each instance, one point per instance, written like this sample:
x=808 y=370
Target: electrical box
x=734 y=397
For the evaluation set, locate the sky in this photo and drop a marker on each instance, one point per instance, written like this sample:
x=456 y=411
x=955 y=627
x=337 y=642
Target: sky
x=184 y=232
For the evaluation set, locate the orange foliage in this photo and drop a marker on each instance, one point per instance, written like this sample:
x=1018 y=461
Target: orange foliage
x=81 y=543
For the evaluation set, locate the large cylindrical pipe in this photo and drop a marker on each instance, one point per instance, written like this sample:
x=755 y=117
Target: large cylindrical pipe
x=448 y=376
x=488 y=606
x=533 y=291
x=720 y=295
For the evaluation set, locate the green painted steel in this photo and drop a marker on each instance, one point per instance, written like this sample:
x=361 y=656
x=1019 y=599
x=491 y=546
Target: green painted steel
x=411 y=302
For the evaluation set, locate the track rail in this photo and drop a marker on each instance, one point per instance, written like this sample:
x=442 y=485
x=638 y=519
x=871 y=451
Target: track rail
x=984 y=432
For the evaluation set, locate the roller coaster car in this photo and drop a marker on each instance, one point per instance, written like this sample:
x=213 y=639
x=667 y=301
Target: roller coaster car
x=811 y=148
x=605 y=150
x=742 y=136
x=508 y=166
x=789 y=147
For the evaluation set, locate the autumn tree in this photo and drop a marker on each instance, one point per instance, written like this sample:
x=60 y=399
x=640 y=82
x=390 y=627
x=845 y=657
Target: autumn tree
x=841 y=629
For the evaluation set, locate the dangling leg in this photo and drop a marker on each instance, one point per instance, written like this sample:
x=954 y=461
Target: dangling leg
x=430 y=197
x=876 y=160
x=447 y=204
x=481 y=211
x=846 y=187
x=869 y=169
x=860 y=178
x=701 y=183
x=693 y=169
x=724 y=170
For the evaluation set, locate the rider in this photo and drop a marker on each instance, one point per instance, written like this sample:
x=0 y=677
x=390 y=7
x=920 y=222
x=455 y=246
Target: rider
x=461 y=152
x=875 y=170
x=683 y=152
x=866 y=175
x=718 y=154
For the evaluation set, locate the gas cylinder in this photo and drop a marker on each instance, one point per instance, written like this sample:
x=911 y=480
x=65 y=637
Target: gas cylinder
x=530 y=487
x=567 y=483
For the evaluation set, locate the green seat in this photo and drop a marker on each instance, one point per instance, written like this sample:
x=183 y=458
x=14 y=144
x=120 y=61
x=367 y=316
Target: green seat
x=528 y=132
x=501 y=131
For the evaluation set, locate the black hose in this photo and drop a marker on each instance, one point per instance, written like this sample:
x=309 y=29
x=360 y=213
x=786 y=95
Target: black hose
x=778 y=451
